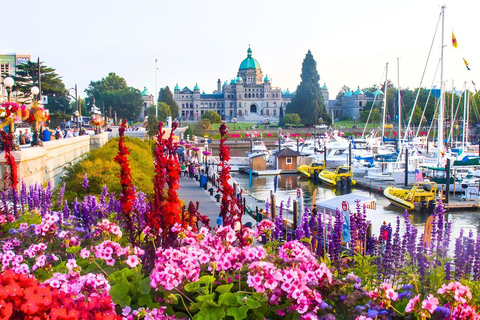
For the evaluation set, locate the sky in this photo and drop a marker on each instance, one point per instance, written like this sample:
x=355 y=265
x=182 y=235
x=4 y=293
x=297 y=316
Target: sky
x=198 y=42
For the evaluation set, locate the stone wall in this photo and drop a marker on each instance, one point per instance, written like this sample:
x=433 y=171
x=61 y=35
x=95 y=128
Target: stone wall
x=48 y=163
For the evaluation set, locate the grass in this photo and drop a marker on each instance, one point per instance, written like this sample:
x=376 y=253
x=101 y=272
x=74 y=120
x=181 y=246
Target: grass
x=360 y=125
x=243 y=126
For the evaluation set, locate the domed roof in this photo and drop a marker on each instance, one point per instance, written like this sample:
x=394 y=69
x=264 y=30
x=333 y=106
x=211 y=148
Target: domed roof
x=145 y=92
x=176 y=87
x=358 y=92
x=287 y=92
x=378 y=91
x=239 y=80
x=249 y=62
x=196 y=87
x=348 y=93
x=232 y=81
x=324 y=87
x=266 y=78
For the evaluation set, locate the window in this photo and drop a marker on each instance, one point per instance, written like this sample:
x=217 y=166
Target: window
x=183 y=113
x=288 y=160
x=274 y=112
x=4 y=68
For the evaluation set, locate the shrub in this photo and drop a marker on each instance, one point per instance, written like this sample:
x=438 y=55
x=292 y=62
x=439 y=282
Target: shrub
x=103 y=170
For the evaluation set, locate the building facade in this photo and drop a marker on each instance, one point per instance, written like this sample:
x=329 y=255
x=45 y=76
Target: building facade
x=10 y=61
x=353 y=102
x=250 y=97
x=148 y=101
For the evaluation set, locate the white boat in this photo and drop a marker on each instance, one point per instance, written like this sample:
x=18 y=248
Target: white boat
x=268 y=172
x=258 y=147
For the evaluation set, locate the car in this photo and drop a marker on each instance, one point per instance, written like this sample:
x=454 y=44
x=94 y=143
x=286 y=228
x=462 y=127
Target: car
x=321 y=126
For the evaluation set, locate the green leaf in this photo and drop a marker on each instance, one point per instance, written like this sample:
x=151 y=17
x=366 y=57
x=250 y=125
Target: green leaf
x=206 y=280
x=119 y=293
x=145 y=300
x=206 y=297
x=74 y=249
x=192 y=287
x=212 y=313
x=228 y=299
x=252 y=303
x=224 y=288
x=145 y=285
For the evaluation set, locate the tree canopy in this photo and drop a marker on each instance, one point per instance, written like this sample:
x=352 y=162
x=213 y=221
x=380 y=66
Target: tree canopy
x=166 y=96
x=212 y=116
x=291 y=119
x=113 y=91
x=51 y=83
x=308 y=99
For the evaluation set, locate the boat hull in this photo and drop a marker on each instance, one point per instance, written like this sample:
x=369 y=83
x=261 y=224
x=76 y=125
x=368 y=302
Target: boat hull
x=397 y=201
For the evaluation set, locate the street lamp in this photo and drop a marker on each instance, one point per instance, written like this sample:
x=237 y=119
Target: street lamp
x=8 y=82
x=78 y=112
x=234 y=120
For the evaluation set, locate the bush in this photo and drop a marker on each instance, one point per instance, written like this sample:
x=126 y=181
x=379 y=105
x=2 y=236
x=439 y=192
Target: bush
x=103 y=170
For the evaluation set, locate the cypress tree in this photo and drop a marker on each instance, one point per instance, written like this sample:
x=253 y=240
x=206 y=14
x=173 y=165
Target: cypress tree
x=308 y=100
x=165 y=95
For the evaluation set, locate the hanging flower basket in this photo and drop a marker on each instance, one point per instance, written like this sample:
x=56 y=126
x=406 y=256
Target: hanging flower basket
x=188 y=145
x=182 y=142
x=195 y=148
x=206 y=153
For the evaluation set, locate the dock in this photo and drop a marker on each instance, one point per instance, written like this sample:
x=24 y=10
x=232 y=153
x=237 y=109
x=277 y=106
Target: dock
x=454 y=203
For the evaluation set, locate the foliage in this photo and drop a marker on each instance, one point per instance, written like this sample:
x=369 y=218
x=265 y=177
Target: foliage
x=152 y=125
x=201 y=127
x=166 y=96
x=52 y=85
x=188 y=134
x=83 y=106
x=291 y=119
x=103 y=170
x=212 y=116
x=112 y=91
x=308 y=99
x=163 y=111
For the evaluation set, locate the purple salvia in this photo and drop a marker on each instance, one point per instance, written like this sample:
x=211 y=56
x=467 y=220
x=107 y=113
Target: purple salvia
x=421 y=256
x=278 y=233
x=60 y=196
x=469 y=253
x=23 y=196
x=66 y=211
x=476 y=262
x=85 y=183
x=320 y=236
x=397 y=247
x=306 y=223
x=15 y=203
x=267 y=207
x=459 y=260
x=289 y=202
x=447 y=235
x=337 y=236
x=104 y=195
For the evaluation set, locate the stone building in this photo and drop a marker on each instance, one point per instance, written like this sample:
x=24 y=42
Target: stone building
x=250 y=97
x=353 y=102
x=148 y=101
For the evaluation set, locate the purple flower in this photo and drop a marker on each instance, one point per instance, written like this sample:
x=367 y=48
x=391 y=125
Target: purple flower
x=85 y=182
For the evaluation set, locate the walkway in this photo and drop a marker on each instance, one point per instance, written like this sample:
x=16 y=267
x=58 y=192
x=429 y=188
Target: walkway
x=191 y=191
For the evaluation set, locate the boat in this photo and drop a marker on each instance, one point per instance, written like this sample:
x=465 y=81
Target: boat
x=268 y=172
x=308 y=170
x=332 y=178
x=420 y=193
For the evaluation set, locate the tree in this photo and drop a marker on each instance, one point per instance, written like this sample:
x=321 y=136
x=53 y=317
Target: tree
x=152 y=125
x=212 y=116
x=340 y=95
x=113 y=91
x=291 y=119
x=83 y=106
x=165 y=95
x=309 y=96
x=375 y=116
x=201 y=127
x=163 y=111
x=52 y=85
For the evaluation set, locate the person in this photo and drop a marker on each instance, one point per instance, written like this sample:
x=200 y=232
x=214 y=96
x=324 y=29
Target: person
x=63 y=124
x=58 y=134
x=28 y=136
x=314 y=210
x=47 y=135
x=22 y=138
x=182 y=167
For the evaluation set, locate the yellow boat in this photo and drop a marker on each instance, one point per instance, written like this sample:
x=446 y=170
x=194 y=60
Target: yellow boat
x=307 y=171
x=406 y=198
x=332 y=178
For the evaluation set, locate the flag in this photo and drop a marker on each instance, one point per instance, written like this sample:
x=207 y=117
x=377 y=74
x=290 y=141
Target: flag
x=466 y=64
x=418 y=175
x=454 y=41
x=473 y=83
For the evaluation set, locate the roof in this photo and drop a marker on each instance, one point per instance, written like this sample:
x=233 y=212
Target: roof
x=266 y=78
x=334 y=203
x=196 y=87
x=249 y=62
x=348 y=93
x=186 y=90
x=287 y=152
x=358 y=92
x=324 y=87
x=177 y=87
x=378 y=91
x=145 y=92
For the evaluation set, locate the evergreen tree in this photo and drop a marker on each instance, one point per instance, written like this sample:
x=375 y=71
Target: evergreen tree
x=308 y=99
x=166 y=96
x=52 y=85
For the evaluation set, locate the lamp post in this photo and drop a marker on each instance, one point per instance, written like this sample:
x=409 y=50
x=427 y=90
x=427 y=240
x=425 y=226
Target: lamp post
x=77 y=106
x=8 y=82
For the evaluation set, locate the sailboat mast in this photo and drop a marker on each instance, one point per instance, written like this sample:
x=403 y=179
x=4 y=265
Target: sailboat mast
x=466 y=133
x=399 y=107
x=384 y=103
x=464 y=115
x=440 y=107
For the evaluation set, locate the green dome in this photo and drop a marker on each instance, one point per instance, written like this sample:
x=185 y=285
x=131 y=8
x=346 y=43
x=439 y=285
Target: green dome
x=176 y=87
x=145 y=92
x=266 y=79
x=377 y=92
x=324 y=87
x=348 y=93
x=249 y=62
x=287 y=92
x=358 y=92
x=232 y=81
x=239 y=80
x=196 y=87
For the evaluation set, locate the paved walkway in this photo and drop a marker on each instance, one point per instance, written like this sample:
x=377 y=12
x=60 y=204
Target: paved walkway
x=190 y=191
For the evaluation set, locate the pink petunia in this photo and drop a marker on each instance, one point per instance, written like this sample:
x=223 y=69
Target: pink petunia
x=132 y=261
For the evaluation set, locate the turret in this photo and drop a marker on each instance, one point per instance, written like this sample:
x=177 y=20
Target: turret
x=219 y=86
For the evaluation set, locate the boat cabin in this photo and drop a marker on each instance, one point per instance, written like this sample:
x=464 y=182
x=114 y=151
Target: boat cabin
x=258 y=162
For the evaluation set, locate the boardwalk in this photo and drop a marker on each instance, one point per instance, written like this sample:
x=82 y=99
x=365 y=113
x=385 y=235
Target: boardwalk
x=191 y=191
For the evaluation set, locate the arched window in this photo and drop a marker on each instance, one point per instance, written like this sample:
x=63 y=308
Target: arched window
x=257 y=95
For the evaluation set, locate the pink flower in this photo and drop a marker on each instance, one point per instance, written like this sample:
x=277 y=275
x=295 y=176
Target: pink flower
x=430 y=303
x=132 y=261
x=411 y=304
x=391 y=294
x=71 y=264
x=84 y=253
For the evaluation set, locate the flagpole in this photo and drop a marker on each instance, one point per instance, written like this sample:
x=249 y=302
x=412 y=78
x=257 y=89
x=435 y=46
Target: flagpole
x=384 y=104
x=440 y=107
x=399 y=107
x=156 y=93
x=464 y=114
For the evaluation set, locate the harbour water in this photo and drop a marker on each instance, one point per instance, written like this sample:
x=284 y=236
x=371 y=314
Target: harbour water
x=287 y=186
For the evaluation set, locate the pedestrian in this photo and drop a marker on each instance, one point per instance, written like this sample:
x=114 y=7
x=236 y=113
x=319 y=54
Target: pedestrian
x=22 y=138
x=46 y=134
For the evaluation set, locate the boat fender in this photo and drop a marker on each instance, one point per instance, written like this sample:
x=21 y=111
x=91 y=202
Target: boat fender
x=380 y=190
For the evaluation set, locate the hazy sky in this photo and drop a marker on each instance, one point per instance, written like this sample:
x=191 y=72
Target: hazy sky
x=201 y=41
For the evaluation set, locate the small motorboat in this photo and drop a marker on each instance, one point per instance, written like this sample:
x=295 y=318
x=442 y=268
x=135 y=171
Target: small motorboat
x=421 y=192
x=307 y=171
x=341 y=173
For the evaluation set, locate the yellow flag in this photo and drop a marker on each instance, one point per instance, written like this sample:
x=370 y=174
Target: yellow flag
x=454 y=41
x=466 y=64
